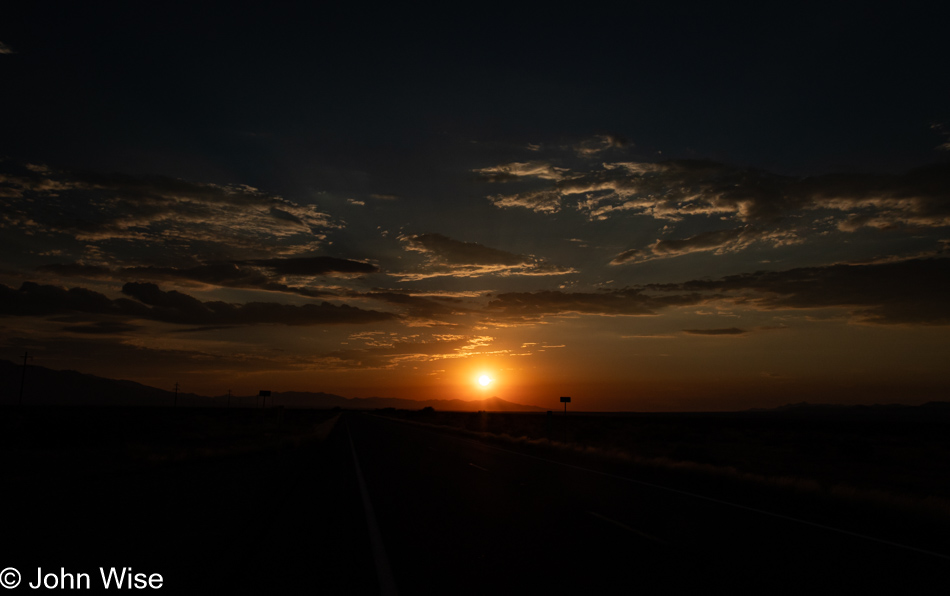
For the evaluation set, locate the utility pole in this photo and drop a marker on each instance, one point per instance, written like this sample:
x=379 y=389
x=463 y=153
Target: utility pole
x=26 y=356
x=176 y=394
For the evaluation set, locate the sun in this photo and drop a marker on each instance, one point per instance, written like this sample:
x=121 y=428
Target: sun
x=484 y=380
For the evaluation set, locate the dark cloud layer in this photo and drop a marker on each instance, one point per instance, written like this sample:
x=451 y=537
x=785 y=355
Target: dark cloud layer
x=912 y=292
x=723 y=331
x=454 y=252
x=260 y=274
x=448 y=257
x=176 y=307
x=418 y=306
x=617 y=302
x=152 y=303
x=314 y=266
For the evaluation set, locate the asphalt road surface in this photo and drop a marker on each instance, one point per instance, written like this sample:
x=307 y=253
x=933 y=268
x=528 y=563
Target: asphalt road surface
x=385 y=507
x=459 y=517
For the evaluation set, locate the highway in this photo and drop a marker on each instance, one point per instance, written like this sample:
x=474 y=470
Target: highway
x=459 y=517
x=389 y=507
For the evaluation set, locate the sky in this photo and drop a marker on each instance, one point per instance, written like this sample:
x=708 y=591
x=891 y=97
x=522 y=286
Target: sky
x=656 y=207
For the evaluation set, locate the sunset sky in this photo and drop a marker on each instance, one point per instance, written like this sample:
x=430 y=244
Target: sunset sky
x=664 y=207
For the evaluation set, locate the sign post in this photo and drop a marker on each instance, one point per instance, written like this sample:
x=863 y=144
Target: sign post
x=263 y=394
x=565 y=401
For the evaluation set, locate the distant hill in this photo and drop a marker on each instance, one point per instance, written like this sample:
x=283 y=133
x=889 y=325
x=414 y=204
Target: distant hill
x=45 y=386
x=805 y=406
x=305 y=399
x=932 y=410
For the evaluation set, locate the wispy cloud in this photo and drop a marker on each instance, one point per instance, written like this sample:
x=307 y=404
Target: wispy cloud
x=94 y=207
x=381 y=350
x=718 y=242
x=448 y=257
x=5 y=49
x=516 y=170
x=541 y=201
x=598 y=144
x=677 y=189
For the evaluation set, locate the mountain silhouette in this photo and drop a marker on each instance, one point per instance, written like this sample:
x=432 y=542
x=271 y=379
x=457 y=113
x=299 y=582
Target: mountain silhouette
x=45 y=386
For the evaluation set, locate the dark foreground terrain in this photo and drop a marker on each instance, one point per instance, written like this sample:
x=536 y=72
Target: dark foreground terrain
x=251 y=501
x=899 y=454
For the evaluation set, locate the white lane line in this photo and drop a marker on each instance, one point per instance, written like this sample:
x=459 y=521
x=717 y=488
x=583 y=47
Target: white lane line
x=387 y=587
x=626 y=527
x=694 y=495
x=477 y=467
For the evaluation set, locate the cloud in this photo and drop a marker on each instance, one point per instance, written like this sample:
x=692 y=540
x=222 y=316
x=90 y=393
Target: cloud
x=152 y=303
x=314 y=266
x=448 y=257
x=176 y=307
x=418 y=306
x=943 y=129
x=910 y=292
x=726 y=331
x=671 y=190
x=917 y=198
x=676 y=189
x=718 y=241
x=5 y=49
x=516 y=170
x=33 y=299
x=389 y=350
x=117 y=357
x=96 y=207
x=541 y=201
x=454 y=252
x=599 y=144
x=260 y=274
x=628 y=301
